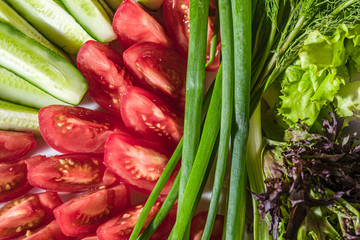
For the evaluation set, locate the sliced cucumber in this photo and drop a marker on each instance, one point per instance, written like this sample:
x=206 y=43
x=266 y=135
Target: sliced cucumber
x=11 y=17
x=16 y=89
x=107 y=8
x=152 y=5
x=114 y=4
x=40 y=66
x=91 y=15
x=18 y=117
x=53 y=22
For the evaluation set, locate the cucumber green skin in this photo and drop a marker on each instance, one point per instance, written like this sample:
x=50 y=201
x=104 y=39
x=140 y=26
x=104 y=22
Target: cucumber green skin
x=152 y=5
x=18 y=118
x=114 y=4
x=91 y=15
x=108 y=9
x=17 y=90
x=11 y=17
x=40 y=66
x=54 y=22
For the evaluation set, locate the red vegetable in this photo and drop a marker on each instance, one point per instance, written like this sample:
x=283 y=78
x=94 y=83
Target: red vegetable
x=105 y=74
x=26 y=213
x=51 y=231
x=71 y=173
x=13 y=181
x=71 y=129
x=132 y=24
x=82 y=215
x=148 y=116
x=137 y=162
x=14 y=145
x=159 y=69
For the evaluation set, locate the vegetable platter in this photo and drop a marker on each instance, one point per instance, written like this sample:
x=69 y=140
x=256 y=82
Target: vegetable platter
x=180 y=119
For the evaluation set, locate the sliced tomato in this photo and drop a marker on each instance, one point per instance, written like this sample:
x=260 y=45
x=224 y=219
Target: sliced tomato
x=159 y=69
x=121 y=226
x=26 y=213
x=71 y=173
x=177 y=21
x=137 y=162
x=198 y=225
x=82 y=215
x=71 y=129
x=105 y=73
x=132 y=24
x=13 y=181
x=90 y=237
x=14 y=145
x=51 y=231
x=148 y=116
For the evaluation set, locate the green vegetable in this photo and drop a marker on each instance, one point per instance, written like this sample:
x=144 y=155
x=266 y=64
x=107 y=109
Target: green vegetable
x=54 y=22
x=18 y=117
x=91 y=15
x=40 y=66
x=11 y=17
x=152 y=5
x=17 y=90
x=114 y=4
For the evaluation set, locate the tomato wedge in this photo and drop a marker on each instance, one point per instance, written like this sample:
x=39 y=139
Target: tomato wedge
x=148 y=116
x=13 y=181
x=82 y=215
x=159 y=69
x=26 y=213
x=177 y=21
x=105 y=73
x=14 y=145
x=198 y=225
x=51 y=231
x=121 y=226
x=137 y=162
x=132 y=24
x=90 y=237
x=71 y=173
x=71 y=129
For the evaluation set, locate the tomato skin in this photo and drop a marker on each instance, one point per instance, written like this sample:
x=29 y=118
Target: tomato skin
x=90 y=237
x=14 y=145
x=148 y=116
x=198 y=225
x=158 y=69
x=71 y=173
x=72 y=129
x=132 y=24
x=121 y=226
x=51 y=231
x=13 y=180
x=27 y=213
x=132 y=159
x=105 y=73
x=82 y=215
x=177 y=21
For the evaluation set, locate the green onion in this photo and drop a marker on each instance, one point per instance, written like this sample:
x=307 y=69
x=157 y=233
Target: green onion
x=235 y=215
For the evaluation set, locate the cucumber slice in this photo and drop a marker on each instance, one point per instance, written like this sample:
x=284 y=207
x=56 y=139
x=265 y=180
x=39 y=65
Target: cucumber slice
x=18 y=118
x=17 y=90
x=107 y=8
x=40 y=66
x=92 y=17
x=11 y=17
x=152 y=5
x=53 y=22
x=114 y=4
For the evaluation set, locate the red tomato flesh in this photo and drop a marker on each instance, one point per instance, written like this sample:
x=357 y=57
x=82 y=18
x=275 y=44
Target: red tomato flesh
x=159 y=69
x=26 y=213
x=105 y=73
x=82 y=215
x=121 y=226
x=13 y=180
x=198 y=225
x=137 y=162
x=71 y=129
x=14 y=145
x=51 y=231
x=132 y=24
x=148 y=116
x=71 y=173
